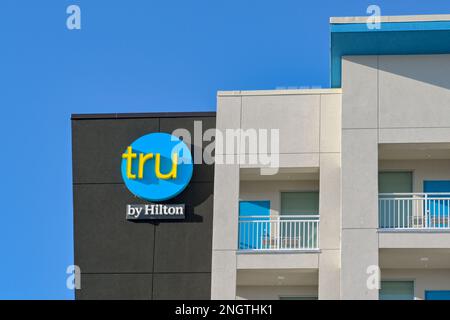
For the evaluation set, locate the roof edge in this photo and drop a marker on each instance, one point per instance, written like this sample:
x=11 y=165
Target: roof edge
x=100 y=116
x=405 y=18
x=279 y=92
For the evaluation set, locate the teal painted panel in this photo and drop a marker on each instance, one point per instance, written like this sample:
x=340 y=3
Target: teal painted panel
x=438 y=210
x=251 y=234
x=437 y=295
x=392 y=26
x=254 y=208
x=396 y=290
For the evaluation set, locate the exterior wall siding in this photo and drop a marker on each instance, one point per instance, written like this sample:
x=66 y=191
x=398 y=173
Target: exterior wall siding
x=120 y=259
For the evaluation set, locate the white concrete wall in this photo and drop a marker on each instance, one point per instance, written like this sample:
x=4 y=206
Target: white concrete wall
x=225 y=221
x=359 y=239
x=431 y=279
x=274 y=292
x=309 y=123
x=414 y=98
x=297 y=118
x=385 y=99
x=414 y=91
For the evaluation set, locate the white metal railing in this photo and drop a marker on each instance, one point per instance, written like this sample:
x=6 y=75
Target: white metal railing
x=411 y=211
x=271 y=233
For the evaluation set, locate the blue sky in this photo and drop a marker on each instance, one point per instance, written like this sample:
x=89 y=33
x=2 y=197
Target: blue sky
x=131 y=56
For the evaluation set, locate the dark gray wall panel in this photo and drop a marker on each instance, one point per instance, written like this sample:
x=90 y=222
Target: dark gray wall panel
x=98 y=146
x=202 y=172
x=118 y=257
x=115 y=286
x=186 y=246
x=187 y=286
x=104 y=240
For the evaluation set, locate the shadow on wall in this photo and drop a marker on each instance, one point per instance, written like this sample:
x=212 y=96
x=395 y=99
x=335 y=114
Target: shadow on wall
x=430 y=69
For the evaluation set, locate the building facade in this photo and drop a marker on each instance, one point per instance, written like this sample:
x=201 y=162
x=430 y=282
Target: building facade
x=123 y=259
x=357 y=208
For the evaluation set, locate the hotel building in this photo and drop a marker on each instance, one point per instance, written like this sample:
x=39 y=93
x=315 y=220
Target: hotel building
x=361 y=196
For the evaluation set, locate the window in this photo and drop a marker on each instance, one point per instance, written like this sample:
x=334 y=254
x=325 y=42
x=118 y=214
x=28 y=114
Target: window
x=391 y=214
x=397 y=290
x=297 y=229
x=395 y=182
x=299 y=203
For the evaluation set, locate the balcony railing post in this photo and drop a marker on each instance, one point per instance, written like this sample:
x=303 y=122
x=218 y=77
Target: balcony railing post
x=297 y=232
x=412 y=211
x=278 y=233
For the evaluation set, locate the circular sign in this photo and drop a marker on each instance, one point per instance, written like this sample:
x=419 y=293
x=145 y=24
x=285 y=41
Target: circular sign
x=157 y=166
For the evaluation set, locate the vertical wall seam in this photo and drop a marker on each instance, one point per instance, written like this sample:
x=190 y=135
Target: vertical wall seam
x=240 y=136
x=153 y=267
x=378 y=98
x=320 y=132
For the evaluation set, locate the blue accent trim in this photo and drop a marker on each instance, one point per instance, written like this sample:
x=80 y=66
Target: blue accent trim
x=438 y=210
x=437 y=294
x=251 y=233
x=254 y=208
x=436 y=186
x=392 y=39
x=392 y=26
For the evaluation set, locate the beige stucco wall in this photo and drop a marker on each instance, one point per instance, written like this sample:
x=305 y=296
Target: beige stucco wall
x=359 y=174
x=386 y=99
x=431 y=279
x=309 y=123
x=422 y=170
x=271 y=190
x=414 y=91
x=274 y=292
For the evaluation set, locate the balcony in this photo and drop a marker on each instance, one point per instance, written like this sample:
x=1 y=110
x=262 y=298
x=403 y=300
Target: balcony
x=414 y=211
x=279 y=233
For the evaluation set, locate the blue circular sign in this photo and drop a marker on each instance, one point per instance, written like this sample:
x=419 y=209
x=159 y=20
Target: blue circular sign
x=157 y=166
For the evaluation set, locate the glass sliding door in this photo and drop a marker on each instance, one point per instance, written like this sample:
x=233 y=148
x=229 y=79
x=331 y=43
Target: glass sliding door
x=395 y=211
x=299 y=221
x=397 y=290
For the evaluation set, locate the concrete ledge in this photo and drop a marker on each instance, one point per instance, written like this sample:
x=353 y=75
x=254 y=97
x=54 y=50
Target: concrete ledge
x=413 y=18
x=289 y=160
x=278 y=92
x=414 y=135
x=413 y=240
x=278 y=260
